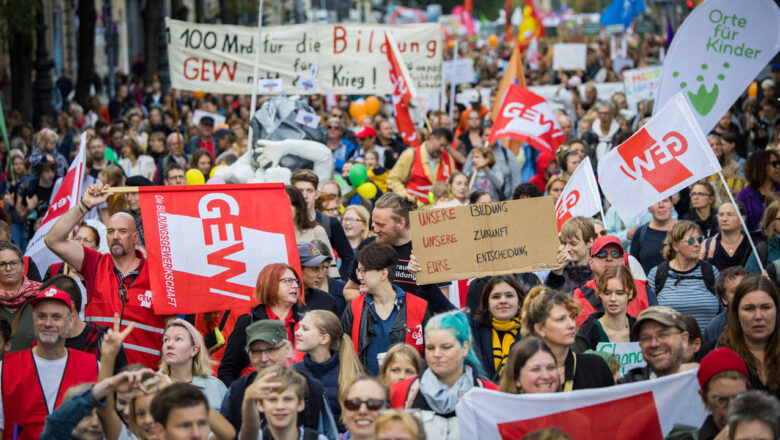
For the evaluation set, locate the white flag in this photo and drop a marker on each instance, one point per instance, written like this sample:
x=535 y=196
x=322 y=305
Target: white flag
x=669 y=153
x=716 y=53
x=66 y=198
x=645 y=410
x=580 y=196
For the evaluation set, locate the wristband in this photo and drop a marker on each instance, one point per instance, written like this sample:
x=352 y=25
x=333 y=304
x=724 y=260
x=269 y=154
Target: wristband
x=86 y=207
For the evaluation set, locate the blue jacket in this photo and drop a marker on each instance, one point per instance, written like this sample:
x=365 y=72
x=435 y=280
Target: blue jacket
x=338 y=241
x=328 y=374
x=772 y=254
x=343 y=153
x=60 y=423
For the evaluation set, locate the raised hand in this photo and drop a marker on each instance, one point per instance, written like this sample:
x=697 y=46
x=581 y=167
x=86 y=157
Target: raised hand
x=112 y=340
x=261 y=387
x=129 y=380
x=95 y=195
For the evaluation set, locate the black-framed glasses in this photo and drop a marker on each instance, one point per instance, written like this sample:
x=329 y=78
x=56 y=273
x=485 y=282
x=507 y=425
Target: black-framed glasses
x=15 y=264
x=613 y=254
x=289 y=282
x=692 y=240
x=775 y=163
x=256 y=352
x=371 y=404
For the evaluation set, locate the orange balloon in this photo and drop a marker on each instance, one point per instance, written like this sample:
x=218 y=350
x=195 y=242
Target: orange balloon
x=372 y=105
x=356 y=109
x=753 y=89
x=198 y=94
x=450 y=44
x=360 y=118
x=493 y=41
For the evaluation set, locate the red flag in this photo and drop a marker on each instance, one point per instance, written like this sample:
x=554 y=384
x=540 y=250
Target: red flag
x=527 y=117
x=207 y=244
x=403 y=92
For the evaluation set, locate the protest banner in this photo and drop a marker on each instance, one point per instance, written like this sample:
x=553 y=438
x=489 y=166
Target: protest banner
x=716 y=53
x=207 y=244
x=569 y=56
x=641 y=84
x=67 y=196
x=629 y=353
x=580 y=196
x=669 y=153
x=458 y=71
x=308 y=58
x=646 y=410
x=527 y=117
x=488 y=239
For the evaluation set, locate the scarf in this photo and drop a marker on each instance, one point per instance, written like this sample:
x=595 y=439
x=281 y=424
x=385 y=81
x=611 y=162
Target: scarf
x=605 y=139
x=441 y=398
x=504 y=335
x=15 y=298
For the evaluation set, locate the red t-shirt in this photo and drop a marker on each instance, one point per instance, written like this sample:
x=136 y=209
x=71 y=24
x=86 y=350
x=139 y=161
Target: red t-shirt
x=89 y=269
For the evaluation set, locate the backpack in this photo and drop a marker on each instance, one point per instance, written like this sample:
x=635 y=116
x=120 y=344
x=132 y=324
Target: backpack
x=707 y=272
x=590 y=295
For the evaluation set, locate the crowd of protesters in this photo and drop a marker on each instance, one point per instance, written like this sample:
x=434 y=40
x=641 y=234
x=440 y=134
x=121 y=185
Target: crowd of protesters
x=329 y=350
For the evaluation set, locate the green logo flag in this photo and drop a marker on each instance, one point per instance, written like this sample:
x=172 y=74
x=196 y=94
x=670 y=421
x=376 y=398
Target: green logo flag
x=3 y=130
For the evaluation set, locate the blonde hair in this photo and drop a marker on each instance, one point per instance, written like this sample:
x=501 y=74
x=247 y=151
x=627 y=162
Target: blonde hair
x=412 y=424
x=400 y=350
x=555 y=179
x=201 y=363
x=578 y=225
x=327 y=323
x=153 y=384
x=487 y=153
x=539 y=302
x=679 y=230
x=770 y=214
x=363 y=215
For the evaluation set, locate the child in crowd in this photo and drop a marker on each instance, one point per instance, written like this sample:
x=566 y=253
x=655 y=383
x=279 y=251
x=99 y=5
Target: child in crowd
x=282 y=404
x=486 y=177
x=376 y=173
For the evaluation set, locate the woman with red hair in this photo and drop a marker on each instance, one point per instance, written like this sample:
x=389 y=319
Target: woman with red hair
x=280 y=294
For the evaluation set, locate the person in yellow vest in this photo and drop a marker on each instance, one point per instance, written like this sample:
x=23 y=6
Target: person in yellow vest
x=417 y=169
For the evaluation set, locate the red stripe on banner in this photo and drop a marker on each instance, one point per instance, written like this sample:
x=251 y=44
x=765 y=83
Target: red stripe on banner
x=630 y=418
x=656 y=162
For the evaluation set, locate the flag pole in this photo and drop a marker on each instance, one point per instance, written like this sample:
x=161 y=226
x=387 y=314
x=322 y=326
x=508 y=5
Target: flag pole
x=253 y=104
x=176 y=120
x=742 y=221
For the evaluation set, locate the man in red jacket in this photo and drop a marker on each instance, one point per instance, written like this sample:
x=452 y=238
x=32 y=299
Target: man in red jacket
x=607 y=251
x=33 y=381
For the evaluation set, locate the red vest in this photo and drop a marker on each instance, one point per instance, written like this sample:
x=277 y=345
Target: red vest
x=24 y=404
x=419 y=184
x=415 y=312
x=144 y=342
x=634 y=307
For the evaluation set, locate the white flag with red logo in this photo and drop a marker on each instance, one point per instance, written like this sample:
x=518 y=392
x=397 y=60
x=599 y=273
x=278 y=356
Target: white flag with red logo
x=669 y=153
x=646 y=410
x=403 y=92
x=580 y=196
x=527 y=117
x=206 y=244
x=66 y=198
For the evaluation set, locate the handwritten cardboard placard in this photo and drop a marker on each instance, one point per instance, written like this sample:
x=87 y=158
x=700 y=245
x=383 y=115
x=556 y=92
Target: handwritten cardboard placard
x=569 y=56
x=489 y=239
x=309 y=58
x=629 y=353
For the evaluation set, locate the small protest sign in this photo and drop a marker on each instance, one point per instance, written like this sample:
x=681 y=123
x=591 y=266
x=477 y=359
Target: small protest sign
x=629 y=353
x=569 y=56
x=641 y=84
x=308 y=119
x=197 y=115
x=486 y=239
x=269 y=86
x=458 y=71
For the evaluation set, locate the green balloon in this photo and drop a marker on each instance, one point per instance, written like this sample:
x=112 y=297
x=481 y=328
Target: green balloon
x=110 y=155
x=358 y=174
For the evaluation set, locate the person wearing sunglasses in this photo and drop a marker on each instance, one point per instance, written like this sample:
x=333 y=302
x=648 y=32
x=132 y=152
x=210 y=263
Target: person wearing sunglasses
x=360 y=406
x=341 y=148
x=762 y=171
x=702 y=210
x=683 y=282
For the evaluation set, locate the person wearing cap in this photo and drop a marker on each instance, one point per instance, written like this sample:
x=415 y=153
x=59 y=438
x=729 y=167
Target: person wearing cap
x=367 y=139
x=418 y=168
x=33 y=381
x=722 y=376
x=205 y=137
x=267 y=345
x=663 y=336
x=118 y=281
x=314 y=268
x=340 y=146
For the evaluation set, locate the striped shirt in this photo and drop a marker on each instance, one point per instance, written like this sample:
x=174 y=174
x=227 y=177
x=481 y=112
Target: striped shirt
x=688 y=296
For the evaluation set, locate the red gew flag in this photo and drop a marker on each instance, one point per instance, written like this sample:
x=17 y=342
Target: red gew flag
x=207 y=244
x=527 y=117
x=403 y=92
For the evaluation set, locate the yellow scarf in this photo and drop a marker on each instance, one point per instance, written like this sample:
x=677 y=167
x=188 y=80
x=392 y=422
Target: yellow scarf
x=504 y=334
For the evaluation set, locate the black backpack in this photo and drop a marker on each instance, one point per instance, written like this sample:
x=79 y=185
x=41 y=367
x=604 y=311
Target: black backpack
x=707 y=272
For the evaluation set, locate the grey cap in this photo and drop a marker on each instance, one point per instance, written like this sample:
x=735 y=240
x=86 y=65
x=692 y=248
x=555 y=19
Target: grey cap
x=309 y=255
x=663 y=315
x=267 y=330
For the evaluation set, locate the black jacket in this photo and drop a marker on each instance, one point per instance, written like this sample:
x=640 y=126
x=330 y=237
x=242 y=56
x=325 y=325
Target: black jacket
x=317 y=299
x=235 y=357
x=591 y=371
x=338 y=241
x=588 y=334
x=636 y=375
x=482 y=335
x=708 y=430
x=328 y=374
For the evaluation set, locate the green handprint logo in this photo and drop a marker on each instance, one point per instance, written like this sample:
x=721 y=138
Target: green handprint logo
x=703 y=101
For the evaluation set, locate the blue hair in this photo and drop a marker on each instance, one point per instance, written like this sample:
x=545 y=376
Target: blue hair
x=457 y=324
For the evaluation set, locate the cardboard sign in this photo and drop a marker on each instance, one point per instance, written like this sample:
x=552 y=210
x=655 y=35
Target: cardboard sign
x=641 y=84
x=308 y=119
x=489 y=239
x=629 y=353
x=458 y=71
x=310 y=58
x=569 y=56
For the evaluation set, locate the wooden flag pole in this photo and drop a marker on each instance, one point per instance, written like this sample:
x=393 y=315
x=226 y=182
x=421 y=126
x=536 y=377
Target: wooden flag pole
x=176 y=119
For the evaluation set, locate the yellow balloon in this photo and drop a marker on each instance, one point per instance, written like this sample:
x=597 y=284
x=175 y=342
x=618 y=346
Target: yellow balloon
x=372 y=105
x=195 y=177
x=367 y=190
x=213 y=170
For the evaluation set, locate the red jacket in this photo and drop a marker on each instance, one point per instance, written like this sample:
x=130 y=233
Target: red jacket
x=635 y=306
x=415 y=315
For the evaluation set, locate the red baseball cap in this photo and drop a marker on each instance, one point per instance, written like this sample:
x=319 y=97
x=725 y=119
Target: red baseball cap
x=52 y=293
x=601 y=241
x=366 y=132
x=722 y=359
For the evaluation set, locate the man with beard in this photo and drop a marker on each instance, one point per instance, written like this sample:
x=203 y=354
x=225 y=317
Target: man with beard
x=663 y=338
x=117 y=282
x=34 y=380
x=417 y=169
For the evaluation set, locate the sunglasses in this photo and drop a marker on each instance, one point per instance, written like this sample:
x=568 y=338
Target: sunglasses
x=775 y=163
x=371 y=404
x=613 y=254
x=332 y=127
x=692 y=240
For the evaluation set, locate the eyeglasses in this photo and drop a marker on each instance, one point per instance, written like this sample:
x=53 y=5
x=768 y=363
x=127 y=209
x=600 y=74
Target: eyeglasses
x=700 y=194
x=350 y=220
x=4 y=265
x=613 y=254
x=722 y=401
x=662 y=336
x=334 y=127
x=269 y=351
x=775 y=163
x=692 y=240
x=334 y=209
x=371 y=404
x=83 y=240
x=289 y=282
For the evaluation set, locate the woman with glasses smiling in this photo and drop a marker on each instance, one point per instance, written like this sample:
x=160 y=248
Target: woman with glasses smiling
x=278 y=290
x=15 y=292
x=683 y=282
x=360 y=406
x=762 y=171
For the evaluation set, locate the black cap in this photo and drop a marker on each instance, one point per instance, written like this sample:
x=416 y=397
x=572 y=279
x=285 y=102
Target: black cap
x=207 y=120
x=138 y=181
